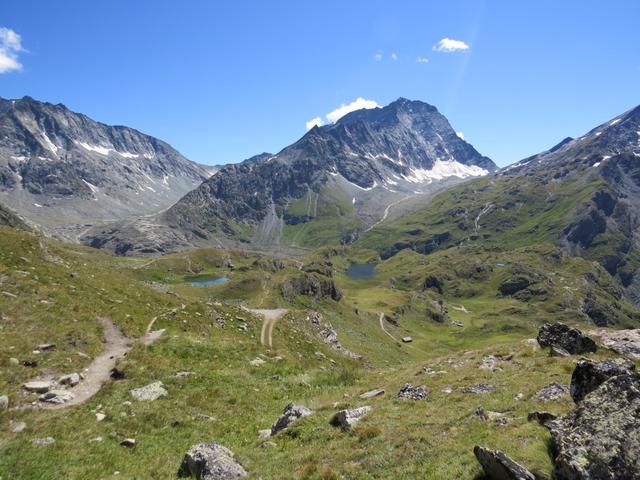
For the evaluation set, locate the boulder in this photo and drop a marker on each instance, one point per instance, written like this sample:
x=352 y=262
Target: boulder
x=410 y=392
x=497 y=466
x=600 y=439
x=552 y=393
x=71 y=379
x=38 y=386
x=56 y=396
x=346 y=419
x=568 y=338
x=291 y=413
x=128 y=442
x=588 y=375
x=624 y=342
x=210 y=461
x=153 y=391
x=372 y=393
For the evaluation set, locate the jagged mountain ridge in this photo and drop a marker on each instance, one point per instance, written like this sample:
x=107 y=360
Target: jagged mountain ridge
x=342 y=177
x=60 y=168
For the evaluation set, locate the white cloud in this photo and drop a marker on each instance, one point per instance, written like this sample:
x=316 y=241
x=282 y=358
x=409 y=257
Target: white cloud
x=460 y=134
x=314 y=122
x=357 y=104
x=422 y=60
x=450 y=45
x=394 y=56
x=10 y=47
x=377 y=57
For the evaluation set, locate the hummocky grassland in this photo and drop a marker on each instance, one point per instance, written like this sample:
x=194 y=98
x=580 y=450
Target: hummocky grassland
x=449 y=302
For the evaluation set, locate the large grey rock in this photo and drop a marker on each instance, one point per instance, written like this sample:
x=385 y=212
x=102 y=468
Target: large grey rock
x=588 y=375
x=600 y=439
x=291 y=413
x=568 y=338
x=210 y=461
x=38 y=386
x=552 y=392
x=372 y=393
x=153 y=391
x=497 y=466
x=346 y=419
x=624 y=342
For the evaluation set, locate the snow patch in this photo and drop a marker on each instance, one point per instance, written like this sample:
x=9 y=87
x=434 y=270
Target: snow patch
x=444 y=169
x=93 y=188
x=596 y=165
x=614 y=121
x=106 y=150
x=37 y=205
x=50 y=145
x=18 y=159
x=353 y=202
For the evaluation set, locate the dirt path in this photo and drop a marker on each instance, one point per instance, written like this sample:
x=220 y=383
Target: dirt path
x=99 y=371
x=381 y=319
x=270 y=316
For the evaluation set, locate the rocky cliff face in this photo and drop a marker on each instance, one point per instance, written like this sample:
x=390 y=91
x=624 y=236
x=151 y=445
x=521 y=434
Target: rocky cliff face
x=60 y=168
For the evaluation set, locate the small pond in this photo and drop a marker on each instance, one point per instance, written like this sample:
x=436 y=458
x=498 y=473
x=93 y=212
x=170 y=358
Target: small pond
x=361 y=271
x=205 y=280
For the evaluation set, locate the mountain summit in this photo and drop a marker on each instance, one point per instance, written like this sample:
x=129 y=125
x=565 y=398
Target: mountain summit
x=333 y=183
x=63 y=170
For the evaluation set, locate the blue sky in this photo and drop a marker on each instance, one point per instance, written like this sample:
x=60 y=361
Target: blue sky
x=222 y=81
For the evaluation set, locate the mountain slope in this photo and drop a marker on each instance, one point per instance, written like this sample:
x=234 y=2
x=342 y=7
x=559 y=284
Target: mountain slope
x=60 y=168
x=332 y=184
x=583 y=195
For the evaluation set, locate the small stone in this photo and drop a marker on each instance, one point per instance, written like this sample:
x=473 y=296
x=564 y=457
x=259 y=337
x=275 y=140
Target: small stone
x=256 y=362
x=497 y=466
x=407 y=339
x=19 y=427
x=4 y=402
x=38 y=386
x=489 y=362
x=264 y=433
x=56 y=396
x=14 y=361
x=557 y=351
x=71 y=379
x=183 y=374
x=481 y=388
x=100 y=416
x=268 y=445
x=150 y=392
x=446 y=389
x=128 y=442
x=346 y=419
x=43 y=347
x=95 y=440
x=552 y=393
x=372 y=393
x=291 y=413
x=44 y=441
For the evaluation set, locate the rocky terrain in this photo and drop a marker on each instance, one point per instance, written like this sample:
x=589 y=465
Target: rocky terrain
x=332 y=184
x=66 y=172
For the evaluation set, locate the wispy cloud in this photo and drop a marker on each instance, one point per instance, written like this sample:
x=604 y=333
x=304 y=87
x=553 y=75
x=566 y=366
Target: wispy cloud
x=10 y=47
x=450 y=45
x=422 y=60
x=394 y=56
x=377 y=57
x=314 y=122
x=335 y=115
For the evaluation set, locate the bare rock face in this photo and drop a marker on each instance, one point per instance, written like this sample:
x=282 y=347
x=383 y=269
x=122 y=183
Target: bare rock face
x=600 y=439
x=568 y=338
x=291 y=413
x=346 y=419
x=210 y=461
x=588 y=375
x=313 y=285
x=497 y=466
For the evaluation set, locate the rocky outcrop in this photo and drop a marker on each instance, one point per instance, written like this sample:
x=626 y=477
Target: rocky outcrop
x=600 y=439
x=409 y=392
x=153 y=391
x=589 y=375
x=346 y=419
x=210 y=461
x=624 y=342
x=497 y=466
x=315 y=286
x=291 y=413
x=568 y=338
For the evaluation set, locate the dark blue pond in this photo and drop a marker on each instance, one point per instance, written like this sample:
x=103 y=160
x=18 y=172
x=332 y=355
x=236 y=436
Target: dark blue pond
x=361 y=271
x=205 y=280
